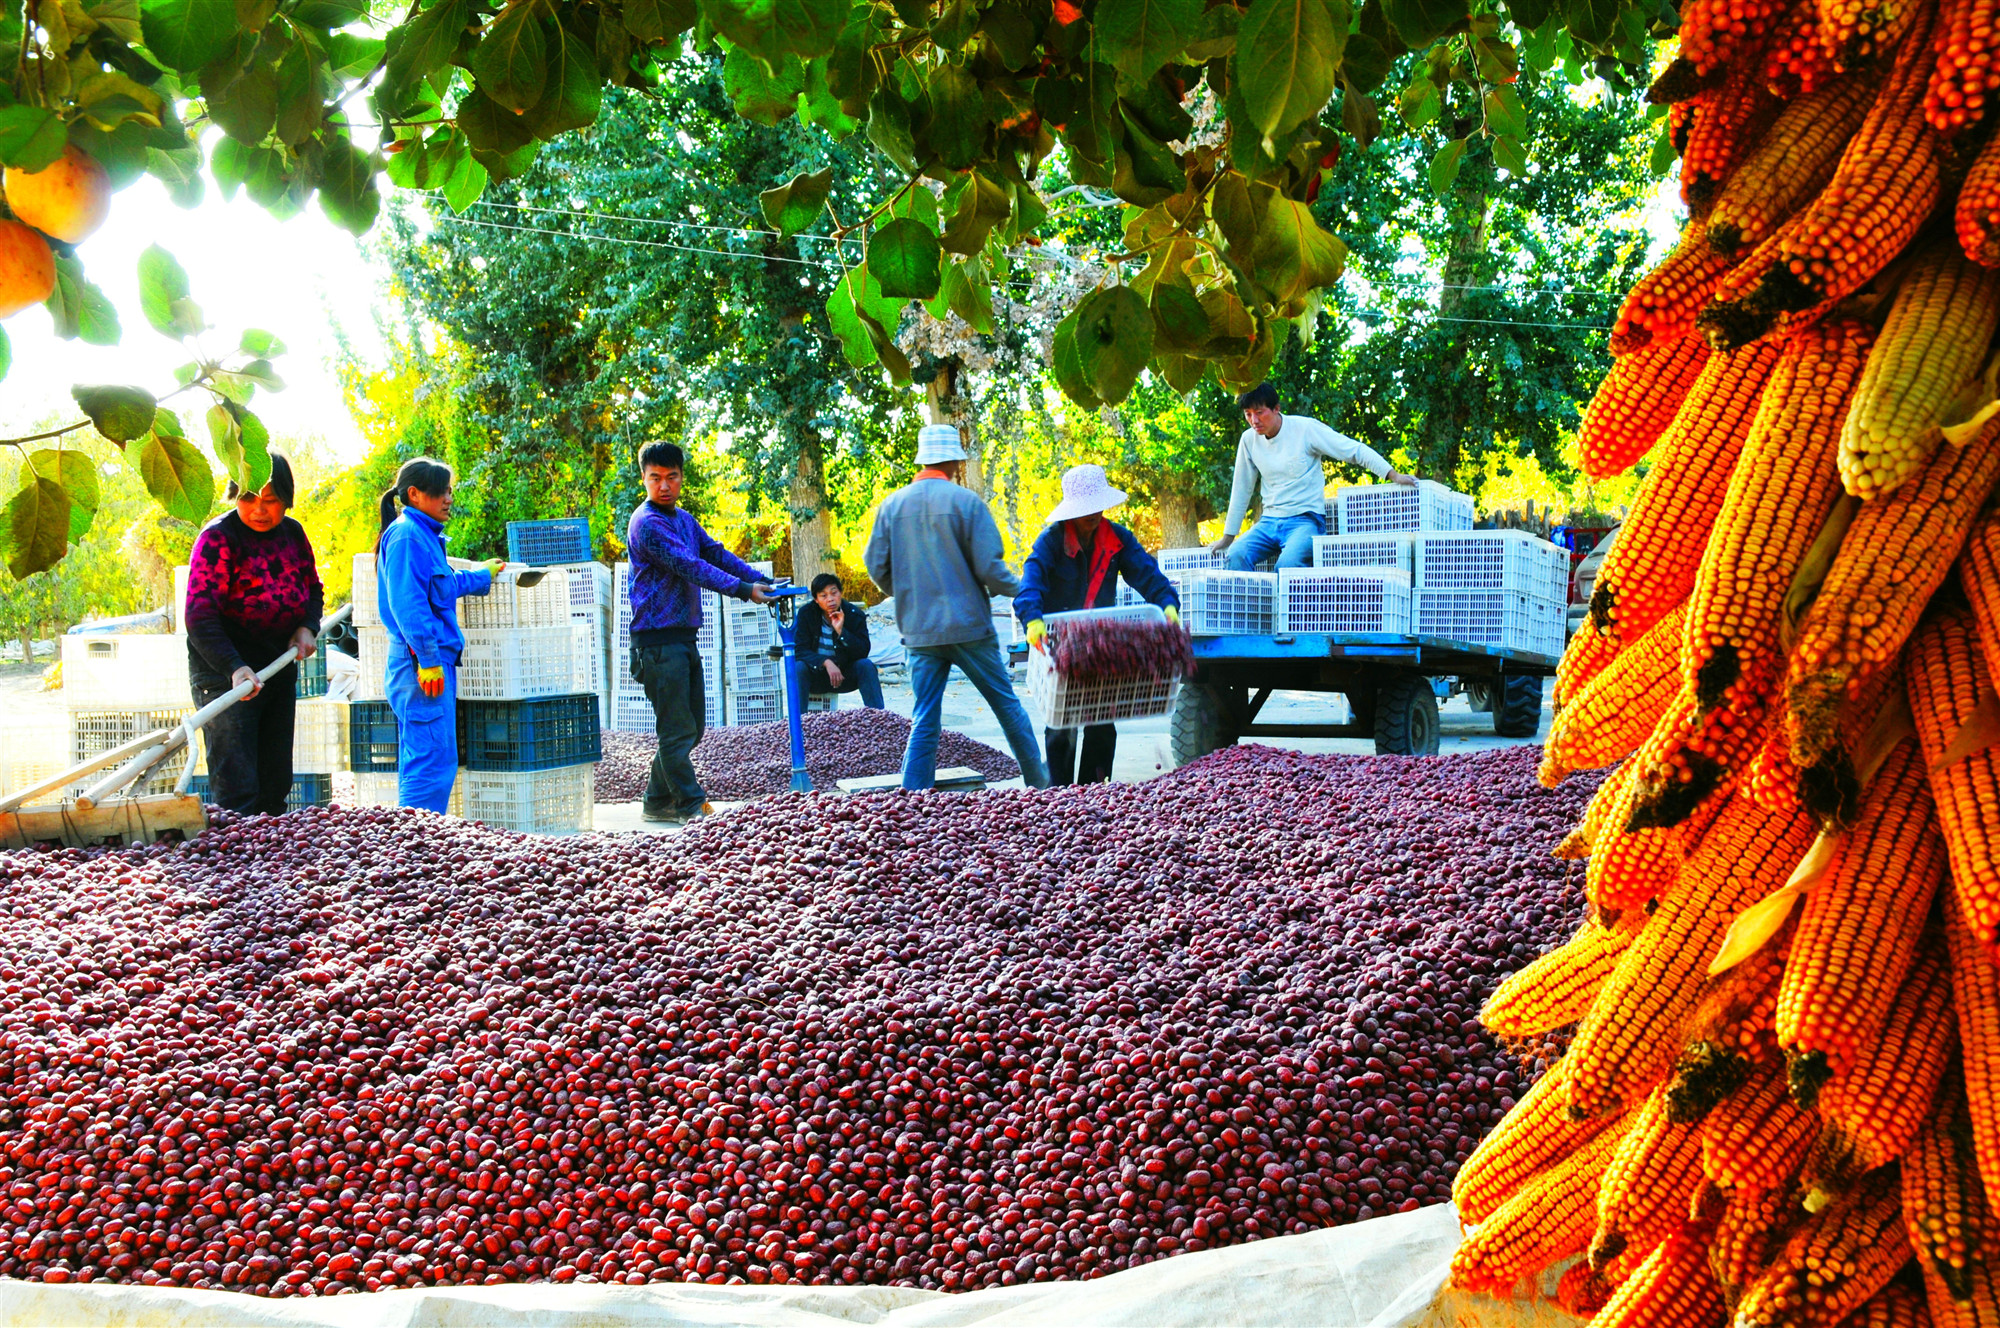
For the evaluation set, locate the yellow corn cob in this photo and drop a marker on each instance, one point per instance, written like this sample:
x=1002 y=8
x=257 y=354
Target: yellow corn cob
x=1729 y=1034
x=1549 y=1218
x=1756 y=1137
x=1933 y=344
x=1630 y=868
x=1613 y=714
x=1531 y=1136
x=1894 y=1306
x=1671 y=1289
x=1598 y=813
x=1586 y=655
x=1629 y=1040
x=1753 y=1228
x=1859 y=32
x=1646 y=1190
x=1584 y=1290
x=1979 y=573
x=1948 y=680
x=1830 y=788
x=1981 y=1309
x=1977 y=211
x=1944 y=1202
x=1556 y=990
x=1975 y=988
x=1730 y=122
x=1635 y=403
x=1790 y=164
x=1857 y=935
x=1834 y=1263
x=1895 y=555
x=1663 y=304
x=1778 y=499
x=1652 y=564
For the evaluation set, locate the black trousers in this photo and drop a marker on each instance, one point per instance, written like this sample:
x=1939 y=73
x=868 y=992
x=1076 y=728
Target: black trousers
x=1100 y=745
x=250 y=744
x=671 y=675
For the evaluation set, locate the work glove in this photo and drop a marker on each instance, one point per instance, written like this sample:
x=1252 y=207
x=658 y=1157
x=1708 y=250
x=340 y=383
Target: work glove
x=495 y=566
x=430 y=681
x=1036 y=631
x=1173 y=615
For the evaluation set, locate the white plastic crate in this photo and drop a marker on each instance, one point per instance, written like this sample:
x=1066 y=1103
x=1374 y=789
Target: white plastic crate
x=379 y=789
x=179 y=609
x=509 y=604
x=515 y=664
x=92 y=733
x=1369 y=509
x=539 y=802
x=365 y=614
x=748 y=628
x=1227 y=603
x=1065 y=704
x=1179 y=562
x=1342 y=599
x=1493 y=560
x=587 y=657
x=708 y=636
x=34 y=749
x=589 y=585
x=147 y=672
x=759 y=707
x=631 y=712
x=1503 y=618
x=1391 y=552
x=755 y=673
x=372 y=661
x=319 y=737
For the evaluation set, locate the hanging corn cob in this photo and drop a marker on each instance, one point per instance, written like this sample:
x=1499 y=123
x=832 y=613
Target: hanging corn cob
x=1837 y=1260
x=1795 y=64
x=1948 y=683
x=1671 y=1289
x=1790 y=165
x=1620 y=706
x=1978 y=208
x=1756 y=1137
x=1635 y=403
x=1944 y=1202
x=1979 y=573
x=1966 y=67
x=1536 y=1132
x=1556 y=990
x=1647 y=1188
x=1663 y=305
x=1549 y=1218
x=1733 y=118
x=1754 y=1226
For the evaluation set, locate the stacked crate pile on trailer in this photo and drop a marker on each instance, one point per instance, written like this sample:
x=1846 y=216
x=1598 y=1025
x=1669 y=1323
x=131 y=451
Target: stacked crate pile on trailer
x=1214 y=600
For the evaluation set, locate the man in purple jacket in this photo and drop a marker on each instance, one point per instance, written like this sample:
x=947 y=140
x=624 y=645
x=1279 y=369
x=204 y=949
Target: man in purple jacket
x=673 y=561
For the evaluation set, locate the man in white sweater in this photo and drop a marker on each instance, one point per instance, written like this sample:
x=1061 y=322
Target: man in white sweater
x=1282 y=456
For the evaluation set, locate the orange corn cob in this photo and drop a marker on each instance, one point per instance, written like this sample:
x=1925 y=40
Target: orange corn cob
x=1778 y=498
x=1859 y=32
x=1790 y=164
x=1948 y=680
x=1653 y=562
x=1966 y=65
x=1528 y=1138
x=1857 y=935
x=1894 y=1306
x=1583 y=658
x=1895 y=555
x=1646 y=1190
x=1944 y=1202
x=1635 y=403
x=1979 y=573
x=1671 y=1289
x=1977 y=212
x=1663 y=304
x=1830 y=788
x=1795 y=64
x=1933 y=344
x=1880 y=194
x=1734 y=1019
x=1834 y=1263
x=1874 y=1111
x=1630 y=1038
x=1975 y=988
x=1556 y=990
x=1549 y=1218
x=1738 y=311
x=1757 y=1136
x=1727 y=127
x=1713 y=32
x=1619 y=707
x=1583 y=1291
x=1598 y=814
x=1628 y=868
x=1754 y=1226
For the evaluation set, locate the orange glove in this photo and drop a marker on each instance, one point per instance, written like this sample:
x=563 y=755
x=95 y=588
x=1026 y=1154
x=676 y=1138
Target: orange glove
x=430 y=681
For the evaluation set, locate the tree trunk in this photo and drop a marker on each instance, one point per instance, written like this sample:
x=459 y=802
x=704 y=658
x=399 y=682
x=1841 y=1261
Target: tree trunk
x=27 y=645
x=1466 y=266
x=1180 y=518
x=812 y=529
x=944 y=406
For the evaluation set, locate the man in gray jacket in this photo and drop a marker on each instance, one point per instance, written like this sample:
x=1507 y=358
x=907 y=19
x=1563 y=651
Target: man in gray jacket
x=937 y=549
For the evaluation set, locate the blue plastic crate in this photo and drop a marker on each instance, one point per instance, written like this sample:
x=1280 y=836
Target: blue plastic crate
x=373 y=738
x=564 y=540
x=312 y=676
x=542 y=734
x=307 y=791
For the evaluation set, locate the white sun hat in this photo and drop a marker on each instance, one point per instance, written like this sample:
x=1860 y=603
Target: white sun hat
x=1085 y=490
x=939 y=442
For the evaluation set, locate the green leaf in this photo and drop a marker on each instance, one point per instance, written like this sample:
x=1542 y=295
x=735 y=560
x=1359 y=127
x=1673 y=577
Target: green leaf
x=299 y=106
x=246 y=107
x=176 y=475
x=970 y=295
x=1179 y=321
x=1365 y=62
x=511 y=64
x=844 y=318
x=1182 y=372
x=1512 y=157
x=1287 y=55
x=79 y=309
x=959 y=128
x=187 y=34
x=168 y=424
x=224 y=439
x=6 y=353
x=759 y=94
x=261 y=373
x=1504 y=112
x=1592 y=22
x=1146 y=171
x=255 y=441
x=1066 y=361
x=1140 y=36
x=490 y=127
x=1444 y=166
x=1114 y=340
x=38 y=524
x=31 y=139
x=1294 y=253
x=656 y=20
x=120 y=18
x=1662 y=157
x=162 y=284
x=78 y=477
x=575 y=89
x=797 y=203
x=256 y=341
x=120 y=413
x=889 y=127
x=1215 y=37
x=904 y=256
x=465 y=178
x=425 y=43
x=810 y=28
x=974 y=205
x=1421 y=22
x=350 y=57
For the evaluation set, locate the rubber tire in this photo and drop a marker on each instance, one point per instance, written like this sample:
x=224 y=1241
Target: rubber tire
x=1198 y=725
x=1406 y=716
x=1479 y=697
x=1519 y=714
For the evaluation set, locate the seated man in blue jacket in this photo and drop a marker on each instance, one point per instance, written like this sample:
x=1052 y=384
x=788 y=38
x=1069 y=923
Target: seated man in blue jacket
x=1076 y=564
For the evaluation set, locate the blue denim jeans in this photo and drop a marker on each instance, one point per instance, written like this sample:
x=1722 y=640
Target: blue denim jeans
x=983 y=665
x=861 y=676
x=1290 y=537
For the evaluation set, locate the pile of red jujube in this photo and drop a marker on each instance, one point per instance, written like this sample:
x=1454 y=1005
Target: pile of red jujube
x=751 y=760
x=1089 y=650
x=944 y=1040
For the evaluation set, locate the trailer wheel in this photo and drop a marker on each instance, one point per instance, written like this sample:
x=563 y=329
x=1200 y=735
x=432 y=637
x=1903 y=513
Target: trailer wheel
x=1517 y=712
x=1198 y=724
x=1479 y=697
x=1406 y=716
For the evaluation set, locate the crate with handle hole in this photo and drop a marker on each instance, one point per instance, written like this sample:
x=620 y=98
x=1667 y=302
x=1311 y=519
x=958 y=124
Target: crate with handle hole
x=1065 y=703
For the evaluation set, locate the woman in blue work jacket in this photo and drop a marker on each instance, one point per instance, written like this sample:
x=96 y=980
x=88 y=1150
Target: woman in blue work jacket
x=417 y=593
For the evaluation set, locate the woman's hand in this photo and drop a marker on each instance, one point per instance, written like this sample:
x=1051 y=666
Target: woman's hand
x=304 y=642
x=430 y=681
x=246 y=674
x=833 y=674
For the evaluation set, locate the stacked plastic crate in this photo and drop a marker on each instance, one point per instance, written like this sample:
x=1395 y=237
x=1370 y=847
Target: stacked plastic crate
x=517 y=639
x=372 y=739
x=591 y=624
x=530 y=764
x=1357 y=583
x=1214 y=600
x=1503 y=588
x=117 y=688
x=756 y=688
x=1371 y=509
x=631 y=712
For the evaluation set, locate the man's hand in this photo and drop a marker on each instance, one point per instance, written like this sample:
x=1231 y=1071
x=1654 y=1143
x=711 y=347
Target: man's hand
x=303 y=642
x=759 y=593
x=494 y=567
x=1222 y=545
x=430 y=681
x=833 y=674
x=1036 y=631
x=249 y=675
x=1398 y=477
x=1173 y=615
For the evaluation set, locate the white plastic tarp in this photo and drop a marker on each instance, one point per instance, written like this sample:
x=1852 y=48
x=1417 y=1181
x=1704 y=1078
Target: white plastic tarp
x=1387 y=1273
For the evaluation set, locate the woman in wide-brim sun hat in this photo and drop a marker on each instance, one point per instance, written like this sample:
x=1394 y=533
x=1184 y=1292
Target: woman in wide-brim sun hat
x=1076 y=564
